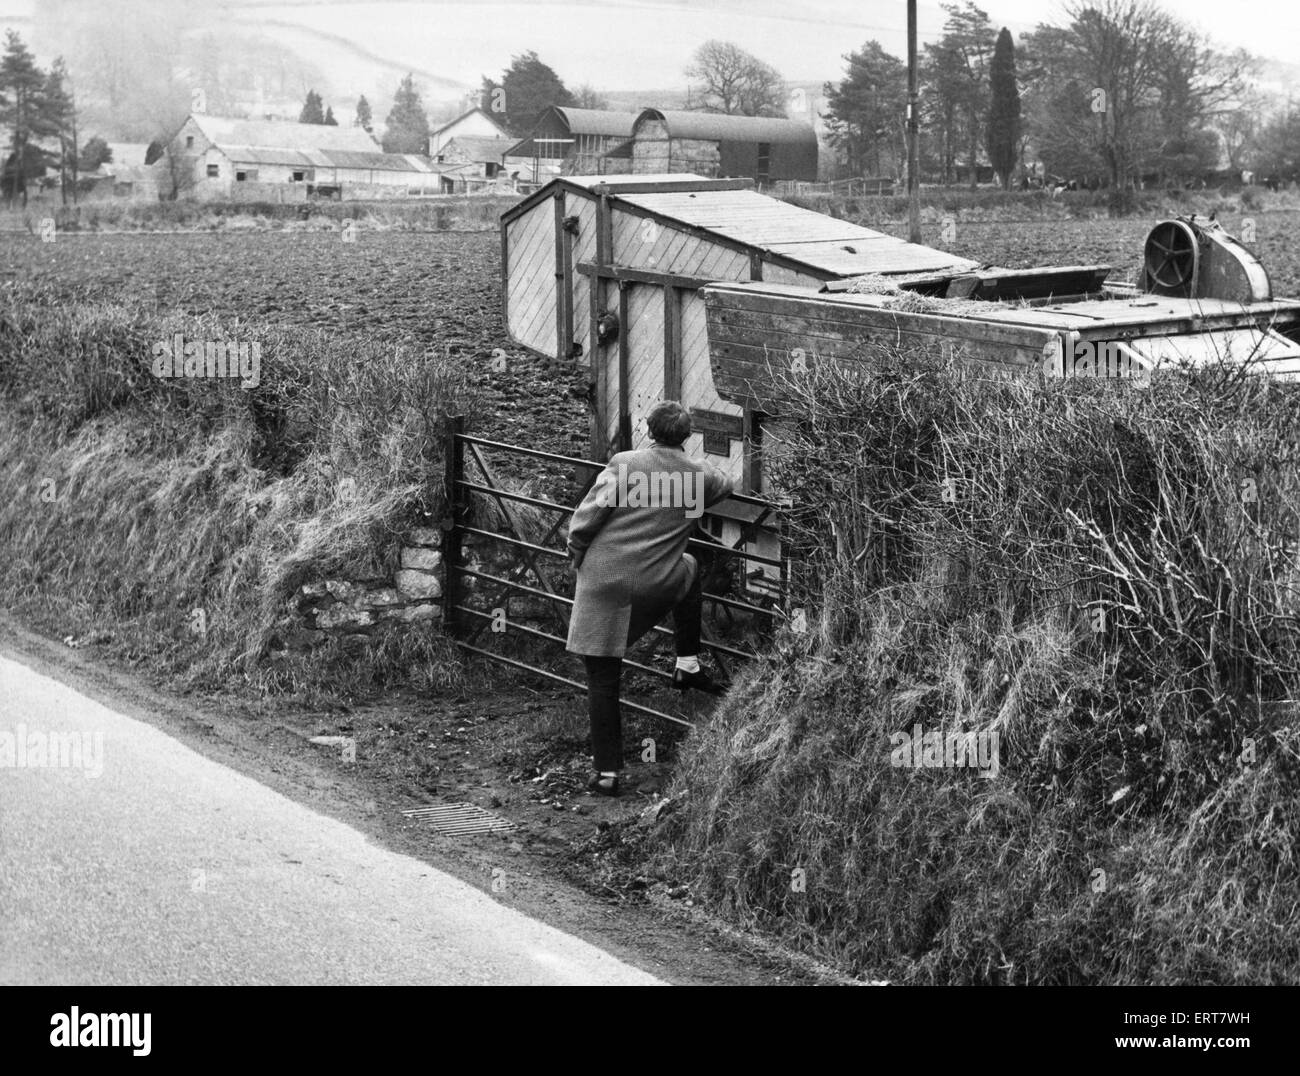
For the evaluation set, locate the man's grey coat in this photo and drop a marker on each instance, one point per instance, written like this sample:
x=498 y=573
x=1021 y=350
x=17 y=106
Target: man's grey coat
x=628 y=541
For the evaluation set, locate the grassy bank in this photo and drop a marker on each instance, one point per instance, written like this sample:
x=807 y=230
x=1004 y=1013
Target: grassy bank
x=1107 y=581
x=128 y=502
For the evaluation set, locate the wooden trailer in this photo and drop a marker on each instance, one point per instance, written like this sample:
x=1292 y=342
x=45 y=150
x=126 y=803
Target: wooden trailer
x=607 y=271
x=703 y=291
x=1201 y=298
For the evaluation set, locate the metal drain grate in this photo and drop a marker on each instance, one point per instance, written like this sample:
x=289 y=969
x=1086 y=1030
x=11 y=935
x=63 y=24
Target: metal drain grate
x=459 y=819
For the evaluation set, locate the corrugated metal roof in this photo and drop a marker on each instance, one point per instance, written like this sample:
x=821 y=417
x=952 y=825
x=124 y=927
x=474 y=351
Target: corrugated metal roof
x=466 y=115
x=318 y=158
x=714 y=126
x=262 y=155
x=380 y=162
x=280 y=134
x=593 y=121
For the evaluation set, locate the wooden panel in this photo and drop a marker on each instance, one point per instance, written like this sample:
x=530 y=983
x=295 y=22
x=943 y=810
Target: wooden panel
x=876 y=257
x=642 y=241
x=624 y=441
x=720 y=263
x=1145 y=314
x=672 y=344
x=645 y=340
x=584 y=249
x=644 y=276
x=779 y=274
x=747 y=215
x=756 y=339
x=563 y=293
x=604 y=418
x=698 y=390
x=812 y=238
x=530 y=279
x=641 y=332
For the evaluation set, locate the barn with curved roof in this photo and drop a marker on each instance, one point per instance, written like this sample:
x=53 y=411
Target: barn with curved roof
x=719 y=146
x=580 y=139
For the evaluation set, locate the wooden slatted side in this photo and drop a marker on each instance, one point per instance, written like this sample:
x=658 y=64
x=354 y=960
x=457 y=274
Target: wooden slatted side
x=822 y=242
x=751 y=217
x=645 y=333
x=698 y=390
x=755 y=338
x=648 y=244
x=530 y=278
x=584 y=250
x=645 y=336
x=777 y=274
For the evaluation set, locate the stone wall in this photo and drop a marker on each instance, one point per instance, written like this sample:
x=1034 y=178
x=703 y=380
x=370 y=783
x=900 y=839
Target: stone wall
x=358 y=609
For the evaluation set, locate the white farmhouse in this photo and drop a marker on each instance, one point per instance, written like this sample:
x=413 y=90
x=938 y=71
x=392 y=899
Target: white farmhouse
x=219 y=157
x=476 y=123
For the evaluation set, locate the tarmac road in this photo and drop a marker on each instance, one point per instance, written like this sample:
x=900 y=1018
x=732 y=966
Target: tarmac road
x=135 y=860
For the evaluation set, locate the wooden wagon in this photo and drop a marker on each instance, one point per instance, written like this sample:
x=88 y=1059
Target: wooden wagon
x=707 y=292
x=608 y=271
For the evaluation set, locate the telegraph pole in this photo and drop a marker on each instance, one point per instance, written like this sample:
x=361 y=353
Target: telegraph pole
x=913 y=125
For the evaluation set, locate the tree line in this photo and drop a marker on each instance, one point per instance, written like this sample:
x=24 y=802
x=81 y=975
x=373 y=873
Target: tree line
x=39 y=117
x=1122 y=93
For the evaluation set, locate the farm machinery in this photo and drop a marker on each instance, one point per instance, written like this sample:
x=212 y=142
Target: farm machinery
x=706 y=291
x=1201 y=297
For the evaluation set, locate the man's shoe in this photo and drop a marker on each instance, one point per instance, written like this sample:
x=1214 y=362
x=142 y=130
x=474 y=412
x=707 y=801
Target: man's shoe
x=700 y=681
x=603 y=786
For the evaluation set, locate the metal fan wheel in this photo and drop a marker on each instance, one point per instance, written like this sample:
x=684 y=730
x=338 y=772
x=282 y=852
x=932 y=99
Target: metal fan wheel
x=1172 y=258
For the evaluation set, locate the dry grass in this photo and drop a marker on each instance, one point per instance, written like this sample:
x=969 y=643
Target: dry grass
x=172 y=496
x=1086 y=571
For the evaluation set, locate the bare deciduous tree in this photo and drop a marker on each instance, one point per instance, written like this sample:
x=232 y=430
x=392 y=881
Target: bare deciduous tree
x=735 y=82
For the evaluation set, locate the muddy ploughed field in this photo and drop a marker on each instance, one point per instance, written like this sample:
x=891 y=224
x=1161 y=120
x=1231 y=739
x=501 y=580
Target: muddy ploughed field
x=441 y=291
x=423 y=292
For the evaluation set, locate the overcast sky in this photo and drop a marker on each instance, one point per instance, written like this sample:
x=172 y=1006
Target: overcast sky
x=643 y=44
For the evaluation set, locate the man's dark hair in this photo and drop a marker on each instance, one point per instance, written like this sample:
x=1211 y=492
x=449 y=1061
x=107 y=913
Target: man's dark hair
x=669 y=422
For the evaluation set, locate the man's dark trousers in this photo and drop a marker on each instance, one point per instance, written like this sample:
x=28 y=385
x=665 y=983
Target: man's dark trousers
x=605 y=673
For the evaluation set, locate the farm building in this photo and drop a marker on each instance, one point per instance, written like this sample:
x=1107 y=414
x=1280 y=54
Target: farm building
x=708 y=144
x=580 y=141
x=704 y=291
x=132 y=176
x=476 y=123
x=608 y=271
x=655 y=141
x=221 y=157
x=472 y=163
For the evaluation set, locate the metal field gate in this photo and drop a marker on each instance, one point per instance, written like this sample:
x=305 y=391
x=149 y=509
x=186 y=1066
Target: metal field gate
x=528 y=534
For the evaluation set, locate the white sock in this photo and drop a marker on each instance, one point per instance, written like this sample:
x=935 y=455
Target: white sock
x=690 y=664
x=609 y=773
